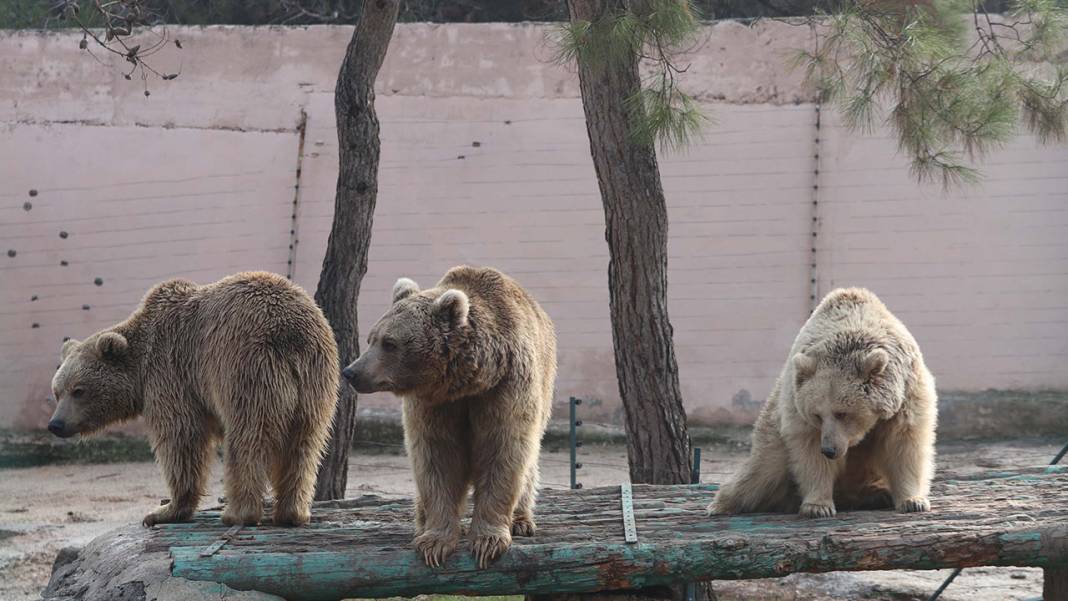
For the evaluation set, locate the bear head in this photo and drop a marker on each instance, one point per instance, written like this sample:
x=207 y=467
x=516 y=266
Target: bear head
x=845 y=395
x=409 y=348
x=96 y=385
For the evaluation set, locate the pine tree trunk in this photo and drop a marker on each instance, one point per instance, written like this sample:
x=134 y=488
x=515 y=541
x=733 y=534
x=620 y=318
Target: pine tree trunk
x=635 y=211
x=345 y=262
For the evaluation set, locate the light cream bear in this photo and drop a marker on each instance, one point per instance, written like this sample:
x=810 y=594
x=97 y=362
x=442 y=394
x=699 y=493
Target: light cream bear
x=850 y=422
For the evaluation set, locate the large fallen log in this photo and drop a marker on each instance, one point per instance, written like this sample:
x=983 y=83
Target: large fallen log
x=360 y=547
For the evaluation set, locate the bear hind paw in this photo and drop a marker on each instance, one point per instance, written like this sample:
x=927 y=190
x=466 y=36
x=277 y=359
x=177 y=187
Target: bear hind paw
x=523 y=526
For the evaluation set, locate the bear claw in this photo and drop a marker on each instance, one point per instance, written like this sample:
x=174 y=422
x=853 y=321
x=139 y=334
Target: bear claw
x=817 y=510
x=489 y=547
x=914 y=505
x=435 y=547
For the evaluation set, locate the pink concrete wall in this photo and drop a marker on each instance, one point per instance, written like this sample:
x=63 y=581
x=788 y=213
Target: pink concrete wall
x=485 y=160
x=980 y=274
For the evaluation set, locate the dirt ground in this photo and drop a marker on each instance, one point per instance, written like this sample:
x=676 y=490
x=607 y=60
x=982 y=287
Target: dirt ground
x=44 y=509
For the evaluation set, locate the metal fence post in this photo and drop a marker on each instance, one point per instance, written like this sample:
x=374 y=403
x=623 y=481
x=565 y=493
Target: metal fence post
x=575 y=443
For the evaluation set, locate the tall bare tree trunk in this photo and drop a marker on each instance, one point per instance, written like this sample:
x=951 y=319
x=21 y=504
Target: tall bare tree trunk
x=345 y=262
x=635 y=212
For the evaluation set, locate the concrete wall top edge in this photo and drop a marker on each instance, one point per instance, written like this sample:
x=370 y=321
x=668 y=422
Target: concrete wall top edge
x=44 y=76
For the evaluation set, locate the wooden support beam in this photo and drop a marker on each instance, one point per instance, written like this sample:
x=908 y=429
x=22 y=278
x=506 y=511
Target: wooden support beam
x=359 y=548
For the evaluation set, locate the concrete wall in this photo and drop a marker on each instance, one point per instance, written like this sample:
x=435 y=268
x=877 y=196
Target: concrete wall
x=485 y=160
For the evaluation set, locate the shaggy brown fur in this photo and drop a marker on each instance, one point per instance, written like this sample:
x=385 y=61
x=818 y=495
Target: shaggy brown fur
x=474 y=359
x=249 y=358
x=855 y=382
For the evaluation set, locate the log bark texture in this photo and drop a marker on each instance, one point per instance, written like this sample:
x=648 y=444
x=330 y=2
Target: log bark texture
x=345 y=262
x=360 y=547
x=636 y=229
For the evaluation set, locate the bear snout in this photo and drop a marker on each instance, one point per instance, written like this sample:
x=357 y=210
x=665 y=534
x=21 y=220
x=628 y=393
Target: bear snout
x=358 y=380
x=352 y=376
x=829 y=452
x=59 y=428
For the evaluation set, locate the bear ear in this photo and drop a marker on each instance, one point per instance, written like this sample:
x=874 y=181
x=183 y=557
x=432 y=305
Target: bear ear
x=111 y=345
x=804 y=367
x=874 y=363
x=403 y=289
x=454 y=306
x=68 y=348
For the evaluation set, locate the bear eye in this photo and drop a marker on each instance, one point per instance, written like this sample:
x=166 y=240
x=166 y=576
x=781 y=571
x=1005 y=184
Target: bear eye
x=77 y=393
x=388 y=345
x=839 y=416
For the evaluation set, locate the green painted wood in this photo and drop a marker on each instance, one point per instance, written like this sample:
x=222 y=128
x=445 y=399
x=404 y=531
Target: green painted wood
x=359 y=548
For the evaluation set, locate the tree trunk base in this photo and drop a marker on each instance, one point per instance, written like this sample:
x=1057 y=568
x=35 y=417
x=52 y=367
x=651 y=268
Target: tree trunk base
x=1055 y=584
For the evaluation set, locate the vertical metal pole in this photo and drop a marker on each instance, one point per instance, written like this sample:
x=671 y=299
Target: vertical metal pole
x=695 y=472
x=1049 y=574
x=695 y=478
x=574 y=442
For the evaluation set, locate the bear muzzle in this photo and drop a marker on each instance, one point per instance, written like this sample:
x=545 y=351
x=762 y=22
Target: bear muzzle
x=829 y=452
x=359 y=380
x=352 y=376
x=59 y=428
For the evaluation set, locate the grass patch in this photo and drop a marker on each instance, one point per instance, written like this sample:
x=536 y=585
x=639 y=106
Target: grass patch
x=30 y=449
x=449 y=598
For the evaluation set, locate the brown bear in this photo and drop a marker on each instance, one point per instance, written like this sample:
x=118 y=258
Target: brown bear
x=249 y=359
x=850 y=422
x=474 y=359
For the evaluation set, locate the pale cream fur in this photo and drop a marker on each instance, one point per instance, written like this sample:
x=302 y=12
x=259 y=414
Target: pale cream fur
x=854 y=389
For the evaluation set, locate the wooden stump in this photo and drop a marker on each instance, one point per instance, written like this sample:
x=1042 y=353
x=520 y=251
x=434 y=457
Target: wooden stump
x=1055 y=584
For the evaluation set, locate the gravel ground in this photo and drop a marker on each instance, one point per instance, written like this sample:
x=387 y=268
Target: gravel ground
x=43 y=509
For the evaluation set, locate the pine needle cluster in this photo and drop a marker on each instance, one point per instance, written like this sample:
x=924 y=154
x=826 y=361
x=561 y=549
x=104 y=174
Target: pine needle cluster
x=951 y=81
x=652 y=32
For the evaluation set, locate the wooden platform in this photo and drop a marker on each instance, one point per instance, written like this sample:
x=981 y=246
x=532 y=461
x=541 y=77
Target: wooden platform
x=359 y=547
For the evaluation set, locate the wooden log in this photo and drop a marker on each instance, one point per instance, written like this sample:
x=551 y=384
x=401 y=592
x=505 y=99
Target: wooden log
x=361 y=548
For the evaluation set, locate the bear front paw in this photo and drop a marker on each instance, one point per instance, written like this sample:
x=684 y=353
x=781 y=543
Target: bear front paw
x=291 y=516
x=166 y=515
x=914 y=505
x=435 y=546
x=717 y=508
x=488 y=547
x=523 y=525
x=235 y=516
x=817 y=510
